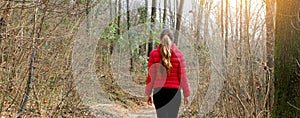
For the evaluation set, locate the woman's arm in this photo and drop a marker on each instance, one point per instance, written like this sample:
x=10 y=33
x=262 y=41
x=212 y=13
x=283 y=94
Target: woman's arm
x=182 y=76
x=149 y=82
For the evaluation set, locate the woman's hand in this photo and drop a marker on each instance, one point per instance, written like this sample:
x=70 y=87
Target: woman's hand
x=149 y=101
x=186 y=101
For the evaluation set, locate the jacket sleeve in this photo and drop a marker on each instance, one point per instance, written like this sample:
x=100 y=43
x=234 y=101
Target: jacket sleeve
x=149 y=81
x=182 y=76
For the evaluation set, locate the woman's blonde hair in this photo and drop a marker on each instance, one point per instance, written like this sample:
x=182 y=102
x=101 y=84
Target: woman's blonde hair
x=166 y=38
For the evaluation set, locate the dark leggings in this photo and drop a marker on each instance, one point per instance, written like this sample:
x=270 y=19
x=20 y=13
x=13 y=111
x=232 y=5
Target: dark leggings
x=166 y=102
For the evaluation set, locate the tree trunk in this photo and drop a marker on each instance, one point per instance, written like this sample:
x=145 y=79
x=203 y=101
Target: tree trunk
x=286 y=58
x=178 y=21
x=237 y=20
x=240 y=59
x=172 y=12
x=128 y=14
x=226 y=28
x=222 y=18
x=119 y=17
x=129 y=36
x=165 y=12
x=270 y=46
x=153 y=11
x=248 y=58
x=270 y=31
x=153 y=17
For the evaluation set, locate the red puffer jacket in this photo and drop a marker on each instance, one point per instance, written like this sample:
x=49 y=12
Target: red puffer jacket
x=176 y=78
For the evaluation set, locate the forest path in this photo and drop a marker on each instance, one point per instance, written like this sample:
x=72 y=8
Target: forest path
x=118 y=111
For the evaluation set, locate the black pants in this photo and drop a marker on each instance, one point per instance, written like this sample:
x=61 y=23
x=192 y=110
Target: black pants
x=166 y=102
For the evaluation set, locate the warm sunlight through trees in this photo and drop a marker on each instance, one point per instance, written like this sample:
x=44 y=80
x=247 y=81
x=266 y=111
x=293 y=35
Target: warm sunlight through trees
x=38 y=38
x=287 y=57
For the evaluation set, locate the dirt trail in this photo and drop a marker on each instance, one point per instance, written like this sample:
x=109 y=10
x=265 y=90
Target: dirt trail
x=117 y=111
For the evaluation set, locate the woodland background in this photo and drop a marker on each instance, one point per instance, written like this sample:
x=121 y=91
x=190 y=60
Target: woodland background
x=261 y=39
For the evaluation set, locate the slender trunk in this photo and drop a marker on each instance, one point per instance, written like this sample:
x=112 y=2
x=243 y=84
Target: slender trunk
x=226 y=28
x=222 y=19
x=270 y=46
x=270 y=32
x=119 y=17
x=153 y=11
x=145 y=14
x=116 y=8
x=241 y=58
x=236 y=21
x=31 y=66
x=87 y=18
x=172 y=12
x=159 y=12
x=153 y=17
x=249 y=65
x=199 y=20
x=129 y=37
x=110 y=10
x=165 y=12
x=178 y=21
x=128 y=14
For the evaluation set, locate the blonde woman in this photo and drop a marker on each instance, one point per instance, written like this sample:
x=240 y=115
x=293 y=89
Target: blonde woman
x=166 y=76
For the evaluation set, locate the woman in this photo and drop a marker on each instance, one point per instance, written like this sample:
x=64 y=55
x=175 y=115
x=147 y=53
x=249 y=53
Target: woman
x=166 y=75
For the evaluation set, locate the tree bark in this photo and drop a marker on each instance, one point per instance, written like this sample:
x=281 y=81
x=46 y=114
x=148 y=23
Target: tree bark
x=270 y=46
x=240 y=59
x=222 y=18
x=119 y=16
x=172 y=12
x=248 y=58
x=226 y=28
x=165 y=12
x=128 y=14
x=153 y=17
x=178 y=21
x=286 y=58
x=270 y=32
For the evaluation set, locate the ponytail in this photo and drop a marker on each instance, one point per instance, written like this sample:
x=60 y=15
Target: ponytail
x=165 y=52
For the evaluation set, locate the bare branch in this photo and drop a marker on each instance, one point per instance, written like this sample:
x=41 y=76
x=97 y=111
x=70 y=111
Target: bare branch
x=293 y=106
x=298 y=63
x=29 y=84
x=295 y=27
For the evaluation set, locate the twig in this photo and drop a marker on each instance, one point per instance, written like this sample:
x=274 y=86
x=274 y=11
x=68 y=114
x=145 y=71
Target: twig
x=240 y=101
x=29 y=84
x=295 y=27
x=268 y=89
x=298 y=63
x=261 y=112
x=294 y=106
